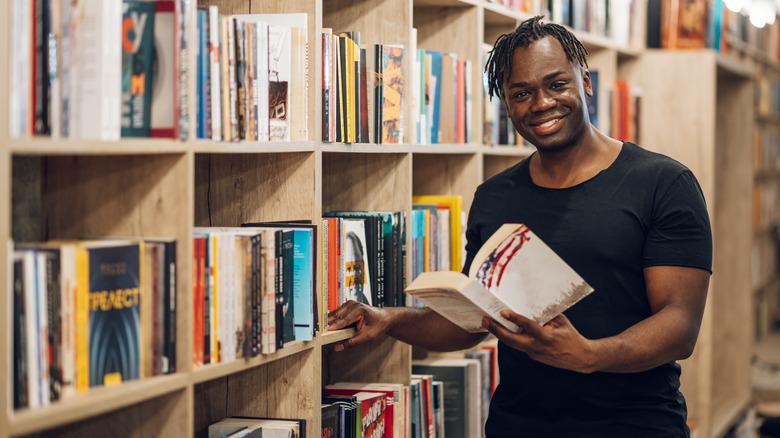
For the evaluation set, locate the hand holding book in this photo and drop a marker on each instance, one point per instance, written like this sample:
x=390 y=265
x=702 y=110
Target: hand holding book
x=514 y=270
x=556 y=343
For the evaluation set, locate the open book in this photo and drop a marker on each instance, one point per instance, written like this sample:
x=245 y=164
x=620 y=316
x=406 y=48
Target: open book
x=513 y=270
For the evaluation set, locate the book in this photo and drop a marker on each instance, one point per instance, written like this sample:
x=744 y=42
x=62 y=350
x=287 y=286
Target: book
x=513 y=270
x=114 y=291
x=137 y=68
x=461 y=399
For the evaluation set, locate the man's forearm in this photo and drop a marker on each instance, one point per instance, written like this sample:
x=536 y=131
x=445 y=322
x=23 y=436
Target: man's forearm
x=662 y=338
x=427 y=329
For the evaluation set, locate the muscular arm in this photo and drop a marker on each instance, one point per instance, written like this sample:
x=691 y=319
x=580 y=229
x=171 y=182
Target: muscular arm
x=420 y=327
x=677 y=296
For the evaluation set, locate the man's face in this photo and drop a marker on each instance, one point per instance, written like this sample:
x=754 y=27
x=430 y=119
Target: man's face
x=545 y=96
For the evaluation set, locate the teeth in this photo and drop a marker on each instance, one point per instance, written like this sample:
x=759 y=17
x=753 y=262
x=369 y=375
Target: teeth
x=548 y=124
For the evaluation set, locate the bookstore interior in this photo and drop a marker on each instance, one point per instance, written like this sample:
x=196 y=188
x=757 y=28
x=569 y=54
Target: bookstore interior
x=303 y=153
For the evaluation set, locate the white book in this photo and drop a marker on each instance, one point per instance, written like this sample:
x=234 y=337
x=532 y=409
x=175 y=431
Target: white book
x=30 y=327
x=68 y=284
x=20 y=69
x=96 y=70
x=280 y=70
x=357 y=278
x=232 y=86
x=216 y=84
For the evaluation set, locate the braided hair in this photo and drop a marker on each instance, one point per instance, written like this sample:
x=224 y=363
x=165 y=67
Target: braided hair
x=499 y=63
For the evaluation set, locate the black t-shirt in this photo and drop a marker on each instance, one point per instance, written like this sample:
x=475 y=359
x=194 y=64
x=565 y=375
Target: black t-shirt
x=644 y=210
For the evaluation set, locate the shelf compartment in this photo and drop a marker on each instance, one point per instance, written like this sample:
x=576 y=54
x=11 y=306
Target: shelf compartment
x=215 y=371
x=373 y=182
x=383 y=360
x=441 y=174
x=231 y=189
x=283 y=388
x=95 y=402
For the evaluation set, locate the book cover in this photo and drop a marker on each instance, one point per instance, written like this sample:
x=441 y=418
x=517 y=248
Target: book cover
x=138 y=21
x=357 y=278
x=684 y=24
x=114 y=314
x=392 y=94
x=513 y=270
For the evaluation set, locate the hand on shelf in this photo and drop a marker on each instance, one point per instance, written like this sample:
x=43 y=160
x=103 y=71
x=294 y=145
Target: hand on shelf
x=369 y=323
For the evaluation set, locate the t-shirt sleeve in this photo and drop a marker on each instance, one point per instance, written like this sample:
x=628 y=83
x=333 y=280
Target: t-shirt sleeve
x=680 y=232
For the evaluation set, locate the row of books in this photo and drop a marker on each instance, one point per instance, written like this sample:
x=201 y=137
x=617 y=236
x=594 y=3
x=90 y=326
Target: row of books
x=253 y=290
x=252 y=76
x=442 y=93
x=364 y=258
x=91 y=313
x=438 y=233
x=257 y=427
x=98 y=69
x=445 y=397
x=691 y=24
x=362 y=90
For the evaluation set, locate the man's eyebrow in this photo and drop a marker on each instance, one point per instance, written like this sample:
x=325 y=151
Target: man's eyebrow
x=547 y=77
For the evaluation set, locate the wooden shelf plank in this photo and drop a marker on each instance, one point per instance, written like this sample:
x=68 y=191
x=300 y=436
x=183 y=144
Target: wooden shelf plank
x=251 y=147
x=337 y=336
x=210 y=372
x=365 y=148
x=734 y=67
x=133 y=146
x=508 y=151
x=444 y=149
x=94 y=402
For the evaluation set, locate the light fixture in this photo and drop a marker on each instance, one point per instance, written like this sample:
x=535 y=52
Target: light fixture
x=734 y=5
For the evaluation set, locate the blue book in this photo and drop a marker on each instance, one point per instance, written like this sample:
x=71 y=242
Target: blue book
x=436 y=73
x=203 y=92
x=114 y=314
x=593 y=101
x=303 y=283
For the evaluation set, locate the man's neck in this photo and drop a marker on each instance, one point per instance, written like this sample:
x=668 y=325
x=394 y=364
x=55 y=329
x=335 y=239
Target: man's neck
x=574 y=165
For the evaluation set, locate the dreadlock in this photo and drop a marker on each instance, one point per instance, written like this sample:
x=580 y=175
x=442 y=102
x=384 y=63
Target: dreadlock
x=499 y=62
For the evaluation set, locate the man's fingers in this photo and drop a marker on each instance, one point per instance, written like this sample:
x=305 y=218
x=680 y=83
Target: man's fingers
x=526 y=325
x=359 y=338
x=518 y=340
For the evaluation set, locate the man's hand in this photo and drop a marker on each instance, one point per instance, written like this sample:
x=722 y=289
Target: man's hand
x=557 y=343
x=370 y=323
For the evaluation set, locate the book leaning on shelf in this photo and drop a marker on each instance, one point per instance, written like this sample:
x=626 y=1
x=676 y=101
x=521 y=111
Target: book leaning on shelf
x=513 y=270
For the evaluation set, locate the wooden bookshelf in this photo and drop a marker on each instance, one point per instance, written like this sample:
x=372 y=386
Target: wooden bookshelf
x=145 y=188
x=707 y=130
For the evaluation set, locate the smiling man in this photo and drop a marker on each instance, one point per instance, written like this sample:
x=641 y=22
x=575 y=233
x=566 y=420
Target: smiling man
x=632 y=223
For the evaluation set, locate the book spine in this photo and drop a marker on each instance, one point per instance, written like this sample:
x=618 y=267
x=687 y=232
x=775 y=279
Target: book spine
x=182 y=72
x=170 y=311
x=82 y=321
x=215 y=83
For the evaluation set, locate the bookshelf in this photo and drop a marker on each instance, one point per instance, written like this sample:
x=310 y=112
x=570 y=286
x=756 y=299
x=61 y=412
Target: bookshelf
x=713 y=125
x=143 y=188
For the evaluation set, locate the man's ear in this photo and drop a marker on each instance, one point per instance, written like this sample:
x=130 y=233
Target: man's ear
x=586 y=84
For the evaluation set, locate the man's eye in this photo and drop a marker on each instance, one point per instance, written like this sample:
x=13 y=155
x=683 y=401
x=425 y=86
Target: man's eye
x=522 y=94
x=557 y=85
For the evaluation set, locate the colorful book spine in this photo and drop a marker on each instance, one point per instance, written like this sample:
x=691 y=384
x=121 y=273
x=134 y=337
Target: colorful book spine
x=137 y=67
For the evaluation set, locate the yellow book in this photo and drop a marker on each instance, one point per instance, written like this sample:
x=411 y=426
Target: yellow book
x=214 y=298
x=455 y=205
x=82 y=320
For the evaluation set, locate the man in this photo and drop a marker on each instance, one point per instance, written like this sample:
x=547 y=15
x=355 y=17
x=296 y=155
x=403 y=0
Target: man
x=632 y=223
